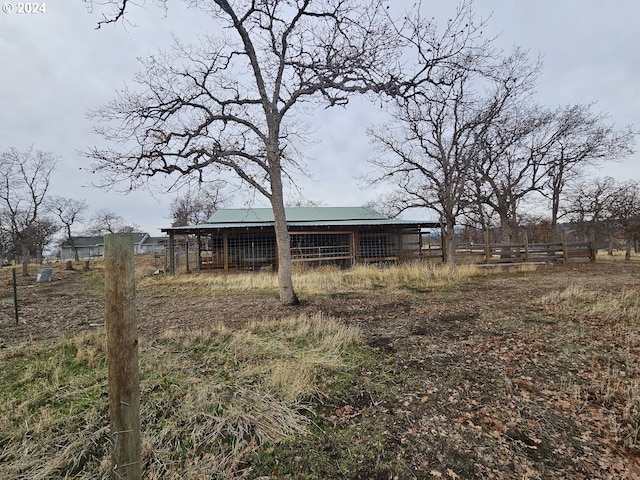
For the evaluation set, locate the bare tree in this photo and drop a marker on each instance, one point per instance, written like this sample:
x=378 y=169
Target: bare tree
x=105 y=221
x=228 y=104
x=585 y=204
x=24 y=182
x=429 y=149
x=5 y=243
x=580 y=138
x=624 y=209
x=39 y=235
x=511 y=164
x=195 y=207
x=69 y=212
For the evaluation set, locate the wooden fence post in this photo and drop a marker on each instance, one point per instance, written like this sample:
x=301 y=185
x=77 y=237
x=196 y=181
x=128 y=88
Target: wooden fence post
x=198 y=252
x=186 y=252
x=225 y=251
x=565 y=250
x=172 y=253
x=122 y=356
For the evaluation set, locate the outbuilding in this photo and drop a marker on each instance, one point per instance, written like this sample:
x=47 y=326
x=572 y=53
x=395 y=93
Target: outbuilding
x=93 y=246
x=244 y=239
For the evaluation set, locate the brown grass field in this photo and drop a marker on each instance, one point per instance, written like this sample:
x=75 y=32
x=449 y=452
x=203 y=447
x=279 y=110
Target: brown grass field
x=412 y=372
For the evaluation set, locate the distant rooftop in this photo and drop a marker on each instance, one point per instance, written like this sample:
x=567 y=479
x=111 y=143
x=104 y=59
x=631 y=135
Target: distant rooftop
x=90 y=241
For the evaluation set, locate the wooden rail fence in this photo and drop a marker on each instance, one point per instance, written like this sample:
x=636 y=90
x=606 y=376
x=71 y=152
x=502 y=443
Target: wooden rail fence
x=526 y=252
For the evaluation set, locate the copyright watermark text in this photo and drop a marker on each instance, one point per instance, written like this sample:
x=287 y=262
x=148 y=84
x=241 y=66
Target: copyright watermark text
x=24 y=8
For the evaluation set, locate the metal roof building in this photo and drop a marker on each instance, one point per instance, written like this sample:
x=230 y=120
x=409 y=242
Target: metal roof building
x=244 y=239
x=93 y=246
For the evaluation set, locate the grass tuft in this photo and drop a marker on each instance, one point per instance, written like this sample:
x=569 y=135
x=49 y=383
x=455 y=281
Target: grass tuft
x=209 y=398
x=622 y=307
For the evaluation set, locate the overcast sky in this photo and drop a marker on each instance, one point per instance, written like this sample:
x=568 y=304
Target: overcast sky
x=55 y=66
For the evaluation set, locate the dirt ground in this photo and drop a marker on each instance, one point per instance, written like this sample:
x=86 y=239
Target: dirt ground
x=66 y=306
x=483 y=380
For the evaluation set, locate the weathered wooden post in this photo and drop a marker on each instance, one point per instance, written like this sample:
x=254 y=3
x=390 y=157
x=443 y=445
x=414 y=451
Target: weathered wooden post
x=122 y=356
x=172 y=257
x=225 y=251
x=186 y=252
x=525 y=239
x=198 y=252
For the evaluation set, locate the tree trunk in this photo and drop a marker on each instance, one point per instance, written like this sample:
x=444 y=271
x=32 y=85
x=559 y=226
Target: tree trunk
x=505 y=229
x=283 y=243
x=610 y=246
x=450 y=252
x=627 y=253
x=505 y=236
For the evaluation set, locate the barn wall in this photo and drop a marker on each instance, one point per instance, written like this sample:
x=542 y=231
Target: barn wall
x=256 y=250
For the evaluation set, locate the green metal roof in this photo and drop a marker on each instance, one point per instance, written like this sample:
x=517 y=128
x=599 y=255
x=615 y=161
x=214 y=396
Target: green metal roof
x=297 y=217
x=295 y=214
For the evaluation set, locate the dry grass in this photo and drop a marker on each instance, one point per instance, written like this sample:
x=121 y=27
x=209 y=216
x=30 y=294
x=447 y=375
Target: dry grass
x=614 y=308
x=618 y=256
x=618 y=393
x=615 y=387
x=568 y=298
x=52 y=411
x=321 y=280
x=621 y=307
x=209 y=398
x=416 y=275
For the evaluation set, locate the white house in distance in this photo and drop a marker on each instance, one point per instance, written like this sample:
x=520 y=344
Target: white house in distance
x=93 y=247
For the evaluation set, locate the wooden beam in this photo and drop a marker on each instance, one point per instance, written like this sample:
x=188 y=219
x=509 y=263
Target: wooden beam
x=172 y=253
x=186 y=251
x=355 y=242
x=122 y=357
x=225 y=250
x=198 y=252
